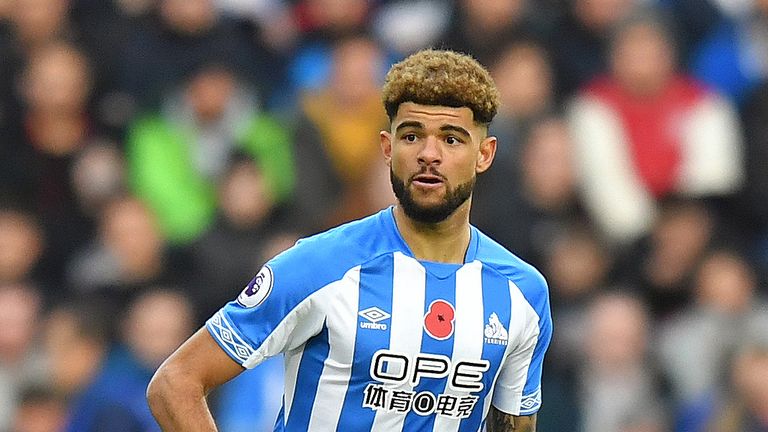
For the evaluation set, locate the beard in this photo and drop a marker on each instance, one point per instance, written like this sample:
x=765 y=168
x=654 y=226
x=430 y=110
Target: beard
x=454 y=198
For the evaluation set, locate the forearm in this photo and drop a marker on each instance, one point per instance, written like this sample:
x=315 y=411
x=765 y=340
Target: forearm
x=178 y=404
x=502 y=422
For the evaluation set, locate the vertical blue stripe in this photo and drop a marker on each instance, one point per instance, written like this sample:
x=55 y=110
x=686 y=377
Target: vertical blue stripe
x=440 y=285
x=495 y=299
x=376 y=279
x=311 y=367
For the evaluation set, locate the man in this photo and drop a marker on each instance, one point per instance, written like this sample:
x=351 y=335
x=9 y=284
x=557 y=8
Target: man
x=410 y=319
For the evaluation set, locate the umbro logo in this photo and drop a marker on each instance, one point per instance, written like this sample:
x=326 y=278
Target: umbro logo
x=373 y=316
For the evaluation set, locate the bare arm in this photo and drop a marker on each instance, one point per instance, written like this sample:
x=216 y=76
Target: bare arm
x=177 y=392
x=502 y=422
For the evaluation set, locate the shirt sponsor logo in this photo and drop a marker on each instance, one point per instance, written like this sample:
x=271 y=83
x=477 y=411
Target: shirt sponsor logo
x=395 y=374
x=373 y=316
x=438 y=322
x=495 y=333
x=258 y=289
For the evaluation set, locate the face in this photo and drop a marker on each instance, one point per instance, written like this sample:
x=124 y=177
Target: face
x=643 y=59
x=434 y=154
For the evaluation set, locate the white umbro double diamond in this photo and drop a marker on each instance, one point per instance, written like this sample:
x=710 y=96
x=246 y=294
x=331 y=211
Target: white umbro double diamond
x=373 y=315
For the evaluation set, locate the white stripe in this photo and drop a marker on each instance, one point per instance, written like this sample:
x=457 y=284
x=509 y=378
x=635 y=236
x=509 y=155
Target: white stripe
x=295 y=328
x=523 y=333
x=342 y=328
x=292 y=362
x=468 y=335
x=408 y=292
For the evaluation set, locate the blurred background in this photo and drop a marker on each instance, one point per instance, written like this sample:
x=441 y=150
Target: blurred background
x=155 y=153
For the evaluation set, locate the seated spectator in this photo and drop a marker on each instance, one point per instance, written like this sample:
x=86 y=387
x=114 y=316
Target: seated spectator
x=77 y=336
x=21 y=362
x=746 y=410
x=106 y=382
x=580 y=41
x=21 y=245
x=620 y=390
x=645 y=131
x=320 y=24
x=478 y=27
x=694 y=345
x=232 y=250
x=527 y=199
x=55 y=87
x=40 y=409
x=661 y=266
x=525 y=80
x=158 y=52
x=126 y=257
x=178 y=155
x=336 y=145
x=732 y=54
x=755 y=196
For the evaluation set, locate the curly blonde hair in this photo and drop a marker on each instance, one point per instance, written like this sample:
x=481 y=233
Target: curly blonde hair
x=441 y=77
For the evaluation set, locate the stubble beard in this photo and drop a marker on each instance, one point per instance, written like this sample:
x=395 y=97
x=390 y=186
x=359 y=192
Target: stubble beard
x=454 y=198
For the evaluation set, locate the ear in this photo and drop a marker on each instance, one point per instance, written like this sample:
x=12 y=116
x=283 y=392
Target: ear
x=386 y=146
x=486 y=154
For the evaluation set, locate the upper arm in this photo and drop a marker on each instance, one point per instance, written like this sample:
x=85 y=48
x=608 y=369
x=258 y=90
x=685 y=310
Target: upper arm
x=499 y=421
x=200 y=361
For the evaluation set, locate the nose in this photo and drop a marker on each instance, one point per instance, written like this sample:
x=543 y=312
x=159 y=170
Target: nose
x=431 y=152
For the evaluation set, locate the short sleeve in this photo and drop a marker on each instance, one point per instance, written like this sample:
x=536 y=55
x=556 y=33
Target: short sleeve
x=275 y=312
x=518 y=388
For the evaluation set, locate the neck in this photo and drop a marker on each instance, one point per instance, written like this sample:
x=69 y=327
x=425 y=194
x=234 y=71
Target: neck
x=445 y=241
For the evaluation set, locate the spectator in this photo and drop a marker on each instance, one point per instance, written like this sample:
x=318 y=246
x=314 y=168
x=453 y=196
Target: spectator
x=620 y=389
x=661 y=266
x=577 y=269
x=322 y=24
x=580 y=42
x=478 y=27
x=746 y=410
x=56 y=85
x=180 y=35
x=536 y=189
x=40 y=410
x=334 y=149
x=726 y=43
x=646 y=131
x=695 y=345
x=77 y=335
x=755 y=196
x=406 y=26
x=248 y=218
x=176 y=156
x=107 y=383
x=21 y=362
x=21 y=246
x=127 y=256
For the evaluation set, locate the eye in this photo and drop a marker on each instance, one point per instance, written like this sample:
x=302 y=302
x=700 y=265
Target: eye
x=452 y=140
x=410 y=137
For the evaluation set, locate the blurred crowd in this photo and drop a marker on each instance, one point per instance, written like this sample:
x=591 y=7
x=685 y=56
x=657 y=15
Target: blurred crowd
x=155 y=153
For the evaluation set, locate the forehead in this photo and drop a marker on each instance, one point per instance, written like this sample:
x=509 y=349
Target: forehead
x=434 y=115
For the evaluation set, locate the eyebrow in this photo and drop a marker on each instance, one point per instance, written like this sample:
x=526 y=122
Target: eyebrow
x=444 y=128
x=407 y=124
x=454 y=128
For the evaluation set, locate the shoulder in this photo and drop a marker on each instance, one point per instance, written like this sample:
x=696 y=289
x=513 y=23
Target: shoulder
x=325 y=257
x=527 y=278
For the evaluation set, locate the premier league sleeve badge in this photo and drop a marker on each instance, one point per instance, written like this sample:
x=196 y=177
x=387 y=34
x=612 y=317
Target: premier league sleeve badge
x=258 y=289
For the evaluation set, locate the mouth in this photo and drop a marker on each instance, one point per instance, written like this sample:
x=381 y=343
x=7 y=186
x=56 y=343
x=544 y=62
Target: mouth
x=427 y=180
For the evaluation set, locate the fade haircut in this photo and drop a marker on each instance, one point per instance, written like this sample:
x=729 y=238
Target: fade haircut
x=445 y=78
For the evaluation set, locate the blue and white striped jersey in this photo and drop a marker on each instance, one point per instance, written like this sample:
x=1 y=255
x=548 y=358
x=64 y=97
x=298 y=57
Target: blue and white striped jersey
x=375 y=339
